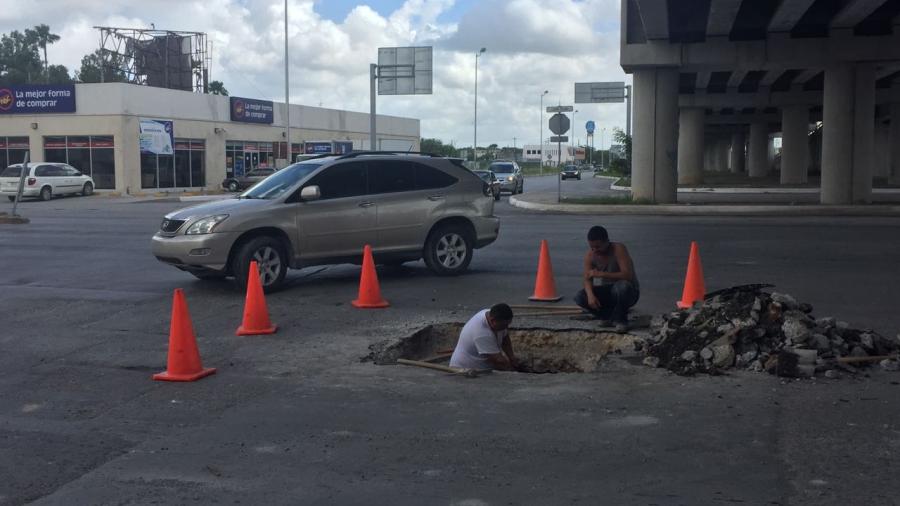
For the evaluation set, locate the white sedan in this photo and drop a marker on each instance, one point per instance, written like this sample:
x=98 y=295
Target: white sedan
x=44 y=180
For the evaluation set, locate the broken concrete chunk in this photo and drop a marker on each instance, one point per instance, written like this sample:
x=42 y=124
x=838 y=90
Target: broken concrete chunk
x=651 y=361
x=832 y=374
x=707 y=354
x=890 y=365
x=786 y=301
x=795 y=329
x=689 y=355
x=723 y=356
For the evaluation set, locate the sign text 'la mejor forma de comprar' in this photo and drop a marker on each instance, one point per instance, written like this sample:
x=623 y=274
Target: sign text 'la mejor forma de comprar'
x=37 y=99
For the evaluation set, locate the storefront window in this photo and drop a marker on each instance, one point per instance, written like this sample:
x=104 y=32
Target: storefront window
x=244 y=156
x=183 y=170
x=92 y=155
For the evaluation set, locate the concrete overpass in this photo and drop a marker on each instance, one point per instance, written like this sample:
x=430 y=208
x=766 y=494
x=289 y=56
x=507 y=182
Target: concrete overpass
x=713 y=79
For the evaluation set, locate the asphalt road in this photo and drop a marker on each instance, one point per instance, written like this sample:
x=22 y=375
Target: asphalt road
x=295 y=418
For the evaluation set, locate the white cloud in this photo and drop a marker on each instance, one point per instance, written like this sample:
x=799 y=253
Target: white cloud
x=532 y=45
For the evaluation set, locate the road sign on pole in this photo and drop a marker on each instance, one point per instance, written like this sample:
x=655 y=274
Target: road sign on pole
x=560 y=108
x=589 y=127
x=400 y=71
x=559 y=124
x=559 y=138
x=600 y=93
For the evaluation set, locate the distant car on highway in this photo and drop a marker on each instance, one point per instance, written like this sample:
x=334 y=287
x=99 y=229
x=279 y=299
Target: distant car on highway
x=491 y=179
x=44 y=180
x=249 y=179
x=325 y=210
x=570 y=171
x=510 y=176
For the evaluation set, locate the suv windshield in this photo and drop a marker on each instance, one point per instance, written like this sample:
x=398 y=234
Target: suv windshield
x=12 y=171
x=502 y=168
x=275 y=185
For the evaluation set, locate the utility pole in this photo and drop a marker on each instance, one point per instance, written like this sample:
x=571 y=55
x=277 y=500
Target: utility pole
x=515 y=151
x=475 y=140
x=541 y=145
x=287 y=91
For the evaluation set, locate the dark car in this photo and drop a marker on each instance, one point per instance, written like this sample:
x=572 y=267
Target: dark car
x=570 y=171
x=491 y=179
x=249 y=179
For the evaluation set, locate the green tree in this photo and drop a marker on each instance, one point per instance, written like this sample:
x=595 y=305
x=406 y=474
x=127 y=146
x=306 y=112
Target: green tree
x=624 y=139
x=218 y=88
x=20 y=60
x=58 y=74
x=44 y=38
x=435 y=146
x=98 y=67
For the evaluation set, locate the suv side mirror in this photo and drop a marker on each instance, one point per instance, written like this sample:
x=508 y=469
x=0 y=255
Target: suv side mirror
x=310 y=193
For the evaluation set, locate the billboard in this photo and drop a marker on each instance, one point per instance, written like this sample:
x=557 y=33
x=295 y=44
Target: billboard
x=37 y=99
x=317 y=148
x=600 y=93
x=405 y=70
x=248 y=110
x=157 y=136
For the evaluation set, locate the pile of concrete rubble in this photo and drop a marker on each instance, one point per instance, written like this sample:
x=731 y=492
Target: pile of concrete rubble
x=745 y=327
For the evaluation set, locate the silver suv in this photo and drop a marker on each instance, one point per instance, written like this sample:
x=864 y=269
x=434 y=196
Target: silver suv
x=324 y=210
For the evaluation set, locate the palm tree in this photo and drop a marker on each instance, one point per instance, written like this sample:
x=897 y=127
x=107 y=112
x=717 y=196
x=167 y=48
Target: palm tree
x=44 y=37
x=218 y=88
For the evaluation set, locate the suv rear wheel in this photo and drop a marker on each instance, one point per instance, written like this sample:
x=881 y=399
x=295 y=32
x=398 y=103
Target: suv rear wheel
x=269 y=255
x=448 y=250
x=233 y=186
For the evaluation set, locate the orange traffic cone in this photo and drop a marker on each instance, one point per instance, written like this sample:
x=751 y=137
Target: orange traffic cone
x=369 y=290
x=694 y=287
x=184 y=358
x=256 y=314
x=544 y=285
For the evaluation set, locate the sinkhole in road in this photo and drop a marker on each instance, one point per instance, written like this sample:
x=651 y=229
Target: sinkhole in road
x=539 y=350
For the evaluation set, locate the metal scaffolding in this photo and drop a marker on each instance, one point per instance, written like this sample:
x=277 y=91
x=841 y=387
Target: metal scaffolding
x=160 y=58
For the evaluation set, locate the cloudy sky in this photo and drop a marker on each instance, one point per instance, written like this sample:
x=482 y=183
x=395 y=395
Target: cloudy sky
x=532 y=46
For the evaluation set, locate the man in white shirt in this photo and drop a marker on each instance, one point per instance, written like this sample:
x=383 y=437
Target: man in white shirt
x=484 y=341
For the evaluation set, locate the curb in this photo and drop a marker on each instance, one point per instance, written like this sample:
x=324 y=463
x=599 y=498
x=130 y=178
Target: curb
x=709 y=209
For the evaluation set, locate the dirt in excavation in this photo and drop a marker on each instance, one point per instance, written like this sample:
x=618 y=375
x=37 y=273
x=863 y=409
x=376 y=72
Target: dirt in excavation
x=539 y=350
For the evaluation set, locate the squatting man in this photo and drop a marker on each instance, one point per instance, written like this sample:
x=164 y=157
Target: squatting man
x=610 y=283
x=484 y=341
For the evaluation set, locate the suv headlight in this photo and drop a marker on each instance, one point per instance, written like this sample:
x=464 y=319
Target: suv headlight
x=205 y=225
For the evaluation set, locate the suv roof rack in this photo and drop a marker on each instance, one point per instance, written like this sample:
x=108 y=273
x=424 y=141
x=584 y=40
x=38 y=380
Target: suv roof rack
x=364 y=153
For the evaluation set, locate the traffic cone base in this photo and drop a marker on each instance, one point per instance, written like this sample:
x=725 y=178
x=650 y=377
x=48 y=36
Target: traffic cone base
x=544 y=284
x=694 y=286
x=369 y=290
x=241 y=331
x=166 y=376
x=256 y=313
x=183 y=363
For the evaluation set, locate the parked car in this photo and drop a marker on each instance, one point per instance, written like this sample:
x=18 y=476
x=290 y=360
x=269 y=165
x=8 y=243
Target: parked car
x=570 y=171
x=491 y=180
x=510 y=176
x=234 y=184
x=325 y=210
x=44 y=180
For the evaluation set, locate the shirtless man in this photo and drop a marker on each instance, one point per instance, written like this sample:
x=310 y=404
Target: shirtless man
x=618 y=288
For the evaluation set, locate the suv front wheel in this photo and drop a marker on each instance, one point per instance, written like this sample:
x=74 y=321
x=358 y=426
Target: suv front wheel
x=270 y=257
x=448 y=250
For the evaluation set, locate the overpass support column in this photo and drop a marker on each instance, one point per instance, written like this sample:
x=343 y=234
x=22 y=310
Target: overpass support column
x=722 y=157
x=759 y=145
x=655 y=141
x=794 y=144
x=848 y=128
x=691 y=147
x=894 y=139
x=738 y=141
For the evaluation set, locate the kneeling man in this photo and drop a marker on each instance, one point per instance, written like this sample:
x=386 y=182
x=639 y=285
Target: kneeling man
x=484 y=341
x=618 y=290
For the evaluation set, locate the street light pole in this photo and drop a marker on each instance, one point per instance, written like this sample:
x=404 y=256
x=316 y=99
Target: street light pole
x=574 y=140
x=475 y=140
x=541 y=145
x=287 y=90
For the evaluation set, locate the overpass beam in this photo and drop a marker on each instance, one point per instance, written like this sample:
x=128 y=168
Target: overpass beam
x=759 y=145
x=655 y=141
x=848 y=127
x=691 y=146
x=794 y=144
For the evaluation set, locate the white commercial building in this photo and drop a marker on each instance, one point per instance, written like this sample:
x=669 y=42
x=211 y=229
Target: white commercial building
x=117 y=133
x=550 y=154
